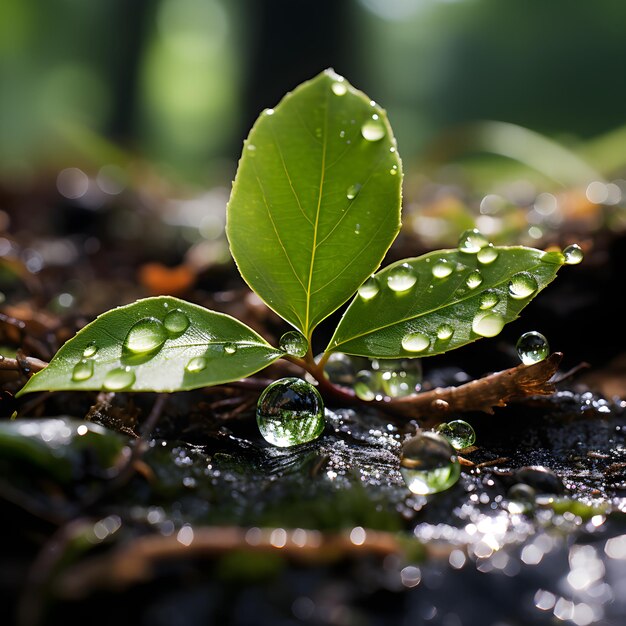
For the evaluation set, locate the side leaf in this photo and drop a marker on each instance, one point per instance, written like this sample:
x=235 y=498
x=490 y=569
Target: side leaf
x=452 y=299
x=156 y=344
x=316 y=201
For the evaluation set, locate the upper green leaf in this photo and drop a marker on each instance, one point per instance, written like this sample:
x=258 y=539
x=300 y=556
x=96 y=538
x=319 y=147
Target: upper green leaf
x=156 y=344
x=316 y=200
x=441 y=301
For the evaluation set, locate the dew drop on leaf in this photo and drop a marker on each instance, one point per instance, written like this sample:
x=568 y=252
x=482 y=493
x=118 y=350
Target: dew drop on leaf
x=230 y=348
x=369 y=288
x=394 y=170
x=373 y=129
x=532 y=347
x=428 y=464
x=487 y=324
x=90 y=350
x=472 y=241
x=522 y=285
x=573 y=254
x=474 y=279
x=442 y=268
x=487 y=255
x=353 y=191
x=294 y=343
x=176 y=322
x=459 y=433
x=290 y=411
x=444 y=332
x=147 y=335
x=415 y=342
x=83 y=370
x=339 y=88
x=118 y=379
x=196 y=364
x=401 y=278
x=489 y=299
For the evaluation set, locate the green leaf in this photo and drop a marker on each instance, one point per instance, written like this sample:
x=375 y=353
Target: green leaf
x=156 y=344
x=416 y=322
x=315 y=204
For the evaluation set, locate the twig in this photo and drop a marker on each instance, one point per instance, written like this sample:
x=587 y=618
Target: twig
x=24 y=364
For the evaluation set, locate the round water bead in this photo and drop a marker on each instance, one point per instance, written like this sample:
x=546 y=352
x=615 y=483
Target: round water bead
x=487 y=255
x=472 y=241
x=147 y=335
x=415 y=342
x=373 y=129
x=474 y=279
x=442 y=268
x=230 y=348
x=489 y=299
x=339 y=88
x=445 y=332
x=532 y=347
x=353 y=191
x=401 y=278
x=176 y=322
x=294 y=343
x=289 y=412
x=428 y=464
x=487 y=324
x=369 y=288
x=340 y=370
x=196 y=364
x=573 y=254
x=90 y=349
x=459 y=433
x=83 y=370
x=522 y=285
x=118 y=379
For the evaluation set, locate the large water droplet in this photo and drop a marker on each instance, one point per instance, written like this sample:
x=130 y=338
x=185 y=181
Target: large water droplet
x=442 y=268
x=294 y=343
x=230 y=348
x=373 y=129
x=472 y=241
x=573 y=254
x=147 y=335
x=339 y=88
x=366 y=385
x=459 y=433
x=474 y=279
x=415 y=342
x=428 y=464
x=339 y=369
x=353 y=191
x=401 y=278
x=290 y=411
x=489 y=299
x=83 y=370
x=369 y=288
x=118 y=379
x=487 y=324
x=196 y=364
x=522 y=285
x=487 y=255
x=444 y=332
x=532 y=347
x=176 y=322
x=90 y=350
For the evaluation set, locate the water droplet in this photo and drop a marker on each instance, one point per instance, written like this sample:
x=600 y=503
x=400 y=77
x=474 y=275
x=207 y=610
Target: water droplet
x=339 y=369
x=118 y=379
x=489 y=299
x=83 y=370
x=369 y=288
x=230 y=348
x=294 y=343
x=401 y=278
x=471 y=241
x=251 y=148
x=357 y=229
x=428 y=464
x=487 y=255
x=573 y=254
x=459 y=433
x=290 y=411
x=474 y=279
x=339 y=88
x=353 y=191
x=366 y=385
x=522 y=285
x=373 y=129
x=532 y=347
x=487 y=324
x=269 y=111
x=90 y=350
x=444 y=332
x=415 y=342
x=394 y=170
x=176 y=322
x=442 y=268
x=197 y=364
x=147 y=335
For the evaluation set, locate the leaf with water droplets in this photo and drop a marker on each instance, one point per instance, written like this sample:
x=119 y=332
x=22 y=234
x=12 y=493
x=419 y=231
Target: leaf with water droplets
x=156 y=344
x=442 y=310
x=313 y=212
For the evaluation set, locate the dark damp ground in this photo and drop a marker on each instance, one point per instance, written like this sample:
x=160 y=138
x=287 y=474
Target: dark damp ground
x=75 y=521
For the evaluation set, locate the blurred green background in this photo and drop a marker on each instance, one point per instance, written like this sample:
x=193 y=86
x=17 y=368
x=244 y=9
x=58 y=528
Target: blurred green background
x=178 y=83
